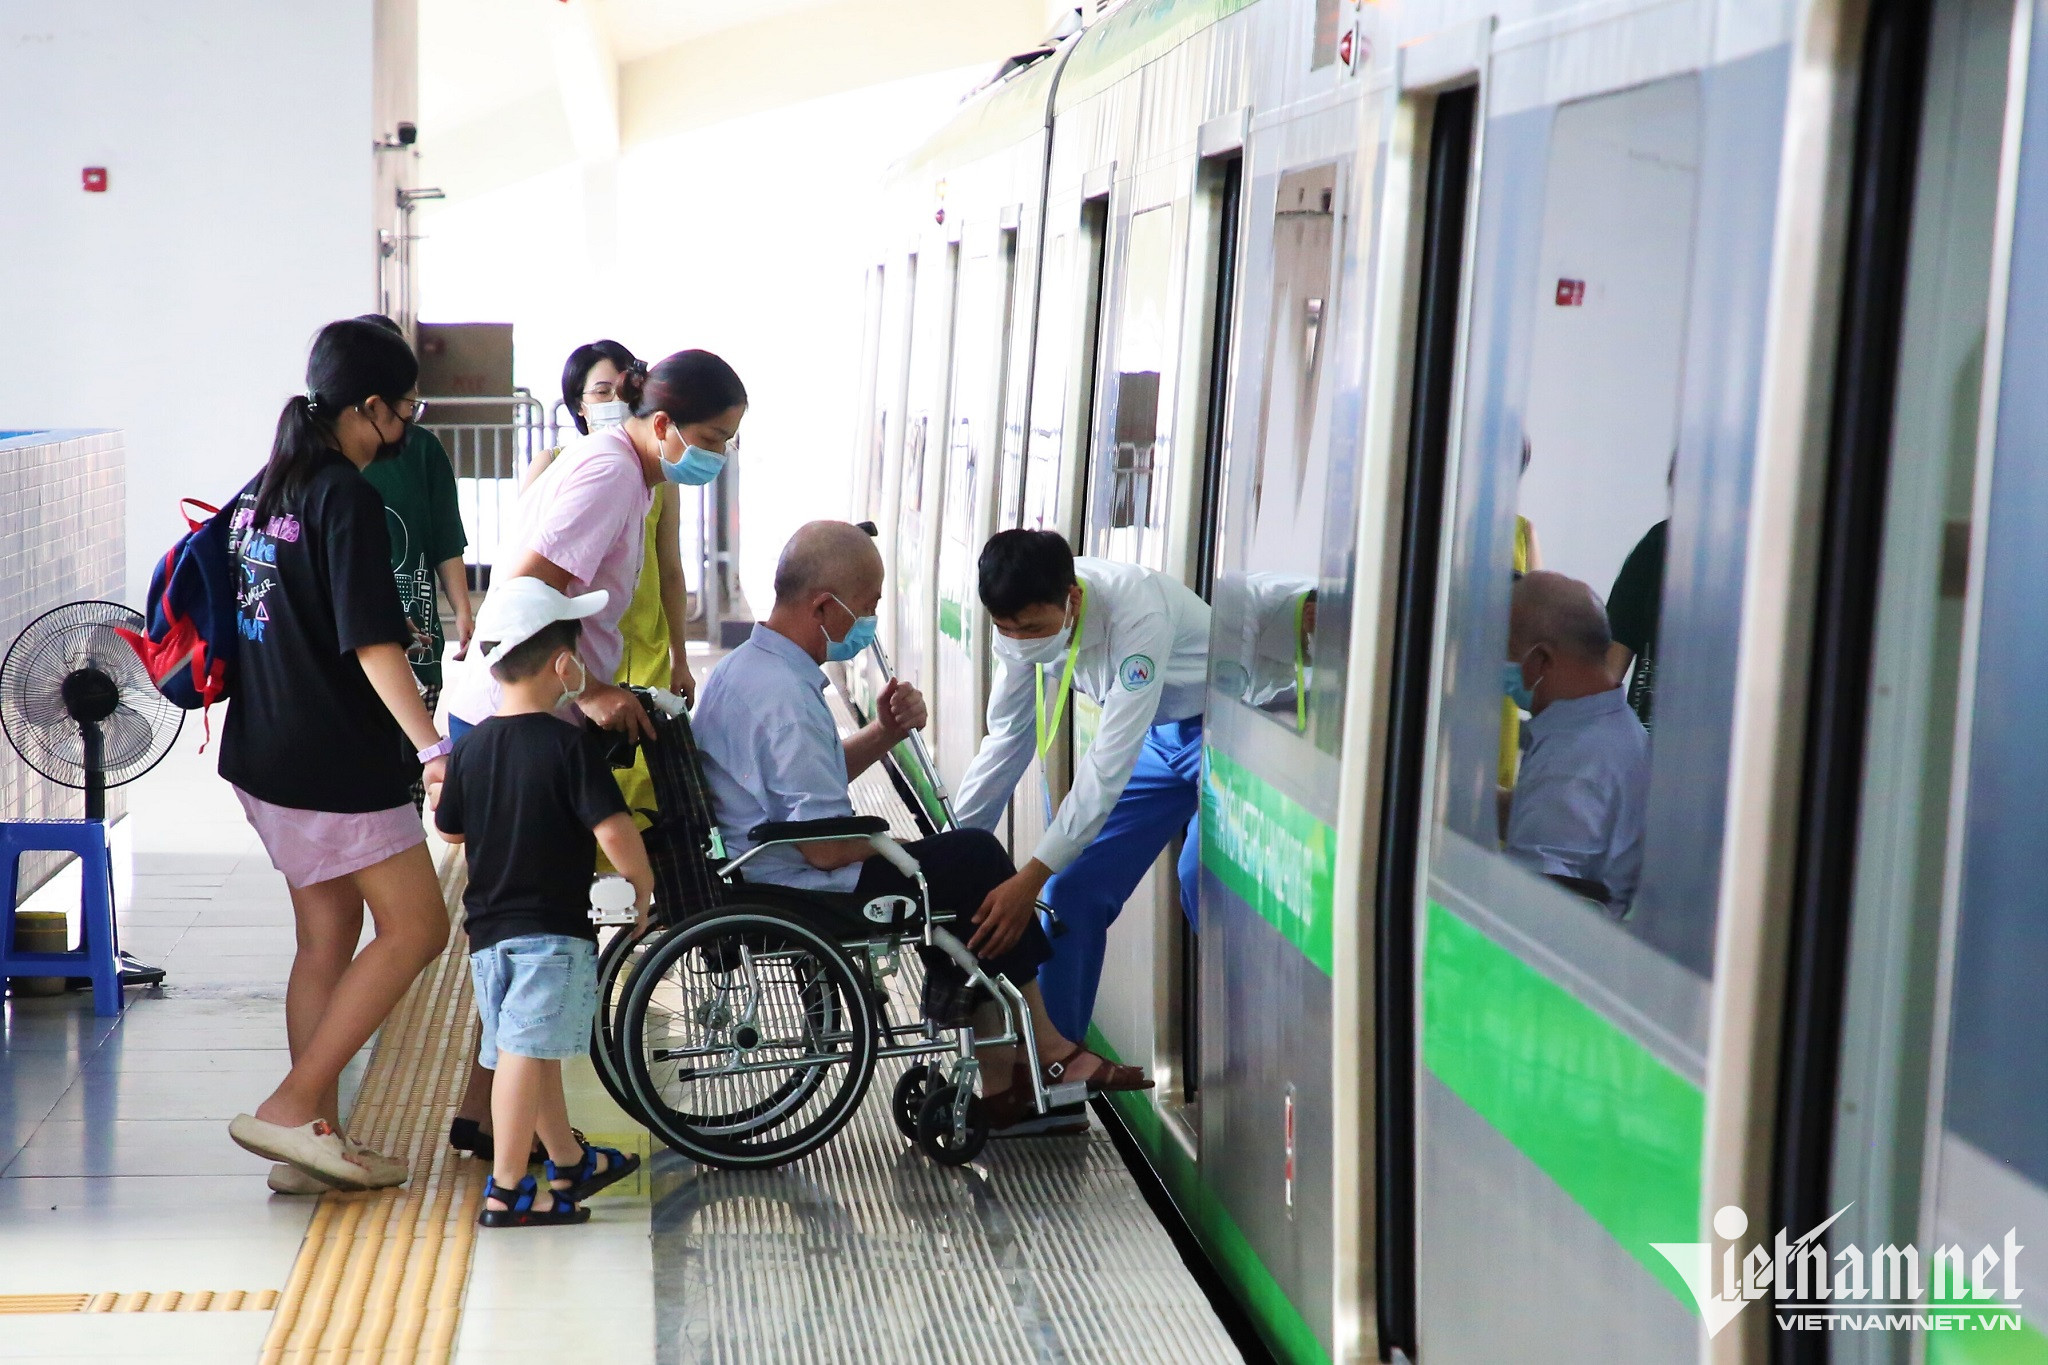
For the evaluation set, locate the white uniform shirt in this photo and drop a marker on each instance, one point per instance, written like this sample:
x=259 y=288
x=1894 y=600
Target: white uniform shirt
x=1144 y=659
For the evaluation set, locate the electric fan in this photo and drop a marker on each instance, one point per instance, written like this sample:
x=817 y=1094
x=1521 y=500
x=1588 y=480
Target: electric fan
x=79 y=707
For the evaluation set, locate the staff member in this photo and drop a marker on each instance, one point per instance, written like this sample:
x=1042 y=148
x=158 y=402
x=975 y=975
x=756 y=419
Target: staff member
x=1136 y=643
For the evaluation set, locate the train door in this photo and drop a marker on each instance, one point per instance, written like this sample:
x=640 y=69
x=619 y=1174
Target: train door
x=1127 y=504
x=921 y=482
x=1914 y=1080
x=1274 y=730
x=867 y=460
x=1219 y=199
x=980 y=377
x=1595 y=515
x=892 y=396
x=1062 y=397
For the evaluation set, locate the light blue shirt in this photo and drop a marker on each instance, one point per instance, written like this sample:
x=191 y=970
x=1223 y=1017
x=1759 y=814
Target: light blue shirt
x=771 y=751
x=1578 y=805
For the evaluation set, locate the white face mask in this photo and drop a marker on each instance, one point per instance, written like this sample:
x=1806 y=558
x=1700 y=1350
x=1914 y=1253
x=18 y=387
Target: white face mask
x=572 y=695
x=602 y=415
x=1043 y=650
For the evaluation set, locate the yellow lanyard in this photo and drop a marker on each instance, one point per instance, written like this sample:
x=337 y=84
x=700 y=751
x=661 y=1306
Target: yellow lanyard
x=1300 y=690
x=1045 y=731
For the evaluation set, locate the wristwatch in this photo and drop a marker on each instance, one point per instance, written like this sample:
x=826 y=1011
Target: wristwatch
x=440 y=748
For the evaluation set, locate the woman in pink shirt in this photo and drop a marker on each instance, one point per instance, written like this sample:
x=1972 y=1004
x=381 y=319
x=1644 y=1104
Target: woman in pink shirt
x=582 y=528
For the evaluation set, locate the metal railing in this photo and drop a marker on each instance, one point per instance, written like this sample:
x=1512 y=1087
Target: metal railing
x=490 y=441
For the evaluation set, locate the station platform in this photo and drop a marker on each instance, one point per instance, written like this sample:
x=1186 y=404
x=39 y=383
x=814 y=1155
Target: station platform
x=132 y=1228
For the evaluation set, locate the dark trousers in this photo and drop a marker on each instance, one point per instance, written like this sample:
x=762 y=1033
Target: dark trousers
x=961 y=866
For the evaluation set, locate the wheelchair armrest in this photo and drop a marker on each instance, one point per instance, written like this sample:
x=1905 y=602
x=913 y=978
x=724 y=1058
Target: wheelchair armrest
x=803 y=831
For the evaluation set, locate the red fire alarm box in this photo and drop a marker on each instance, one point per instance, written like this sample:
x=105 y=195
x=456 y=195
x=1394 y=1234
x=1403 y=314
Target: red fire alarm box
x=95 y=179
x=1571 y=293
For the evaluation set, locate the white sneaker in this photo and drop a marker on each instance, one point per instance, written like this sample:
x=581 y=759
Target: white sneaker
x=384 y=1171
x=289 y=1179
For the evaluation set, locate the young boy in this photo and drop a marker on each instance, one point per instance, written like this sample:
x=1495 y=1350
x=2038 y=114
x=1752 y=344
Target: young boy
x=533 y=801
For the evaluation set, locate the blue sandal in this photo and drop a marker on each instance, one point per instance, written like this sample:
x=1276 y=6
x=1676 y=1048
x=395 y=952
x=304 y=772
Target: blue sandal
x=522 y=1213
x=586 y=1179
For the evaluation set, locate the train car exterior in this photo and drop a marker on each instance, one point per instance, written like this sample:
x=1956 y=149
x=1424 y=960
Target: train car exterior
x=1350 y=317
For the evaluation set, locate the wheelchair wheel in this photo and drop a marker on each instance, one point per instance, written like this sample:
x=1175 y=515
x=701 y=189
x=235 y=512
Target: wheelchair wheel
x=615 y=964
x=947 y=1138
x=748 y=1038
x=908 y=1101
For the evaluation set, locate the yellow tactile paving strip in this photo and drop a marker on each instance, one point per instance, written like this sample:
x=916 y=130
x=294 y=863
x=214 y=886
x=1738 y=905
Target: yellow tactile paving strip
x=381 y=1274
x=144 y=1301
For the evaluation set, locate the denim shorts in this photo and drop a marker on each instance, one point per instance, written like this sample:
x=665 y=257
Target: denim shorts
x=536 y=995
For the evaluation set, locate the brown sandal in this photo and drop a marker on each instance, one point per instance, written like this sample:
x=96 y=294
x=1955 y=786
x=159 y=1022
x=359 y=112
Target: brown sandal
x=1107 y=1075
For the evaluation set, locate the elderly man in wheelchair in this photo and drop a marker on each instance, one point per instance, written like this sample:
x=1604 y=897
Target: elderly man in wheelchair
x=778 y=771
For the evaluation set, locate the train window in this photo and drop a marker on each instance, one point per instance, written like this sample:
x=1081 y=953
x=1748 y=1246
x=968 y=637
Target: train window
x=1037 y=501
x=1285 y=523
x=868 y=482
x=1328 y=12
x=930 y=359
x=1130 y=492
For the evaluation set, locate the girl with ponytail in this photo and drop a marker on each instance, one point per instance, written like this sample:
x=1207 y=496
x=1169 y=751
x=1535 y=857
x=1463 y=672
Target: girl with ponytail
x=313 y=741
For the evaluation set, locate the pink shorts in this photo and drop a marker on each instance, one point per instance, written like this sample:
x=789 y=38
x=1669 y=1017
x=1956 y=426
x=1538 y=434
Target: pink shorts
x=313 y=846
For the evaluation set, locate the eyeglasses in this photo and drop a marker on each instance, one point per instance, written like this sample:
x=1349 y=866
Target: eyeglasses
x=419 y=411
x=601 y=391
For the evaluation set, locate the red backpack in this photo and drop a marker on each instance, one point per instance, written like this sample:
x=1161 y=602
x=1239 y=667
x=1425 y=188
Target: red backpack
x=188 y=642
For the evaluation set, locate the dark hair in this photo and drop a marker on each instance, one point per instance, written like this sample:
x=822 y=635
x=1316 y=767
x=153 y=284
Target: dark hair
x=352 y=360
x=581 y=362
x=1022 y=569
x=388 y=323
x=532 y=654
x=690 y=386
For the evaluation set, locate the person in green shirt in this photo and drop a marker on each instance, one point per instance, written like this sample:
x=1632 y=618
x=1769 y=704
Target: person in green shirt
x=427 y=540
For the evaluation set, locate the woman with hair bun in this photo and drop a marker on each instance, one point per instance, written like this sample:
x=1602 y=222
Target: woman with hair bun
x=312 y=743
x=582 y=528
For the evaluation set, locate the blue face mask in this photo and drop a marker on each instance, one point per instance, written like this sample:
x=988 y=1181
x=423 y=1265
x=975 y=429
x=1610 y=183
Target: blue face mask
x=696 y=467
x=858 y=638
x=1517 y=691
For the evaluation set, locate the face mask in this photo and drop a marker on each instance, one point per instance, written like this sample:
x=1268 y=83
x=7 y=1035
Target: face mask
x=572 y=695
x=602 y=415
x=858 y=638
x=1043 y=650
x=1518 y=692
x=697 y=466
x=389 y=449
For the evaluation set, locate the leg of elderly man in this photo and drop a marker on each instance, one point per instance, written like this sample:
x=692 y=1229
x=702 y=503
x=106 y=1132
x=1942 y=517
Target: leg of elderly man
x=960 y=868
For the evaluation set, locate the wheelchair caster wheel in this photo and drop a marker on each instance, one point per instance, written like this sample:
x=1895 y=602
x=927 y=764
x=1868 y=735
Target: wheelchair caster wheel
x=940 y=1138
x=909 y=1099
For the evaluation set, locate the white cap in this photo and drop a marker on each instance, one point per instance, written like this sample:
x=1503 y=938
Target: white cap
x=517 y=609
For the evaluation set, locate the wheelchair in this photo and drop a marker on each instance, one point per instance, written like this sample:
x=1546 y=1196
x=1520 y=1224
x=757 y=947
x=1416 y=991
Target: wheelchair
x=744 y=1025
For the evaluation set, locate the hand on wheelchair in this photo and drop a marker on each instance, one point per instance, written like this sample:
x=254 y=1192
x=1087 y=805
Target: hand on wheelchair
x=1006 y=911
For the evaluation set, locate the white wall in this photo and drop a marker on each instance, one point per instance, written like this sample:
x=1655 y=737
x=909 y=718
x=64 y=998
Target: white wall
x=178 y=306
x=1604 y=376
x=747 y=238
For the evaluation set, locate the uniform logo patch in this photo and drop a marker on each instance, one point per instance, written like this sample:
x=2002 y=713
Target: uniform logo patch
x=1136 y=672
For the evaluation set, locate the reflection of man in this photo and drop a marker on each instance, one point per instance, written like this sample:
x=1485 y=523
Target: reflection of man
x=1577 y=810
x=1283 y=610
x=1633 y=609
x=1135 y=642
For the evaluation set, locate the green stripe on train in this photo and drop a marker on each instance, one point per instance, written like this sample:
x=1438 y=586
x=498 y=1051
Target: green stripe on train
x=1279 y=1322
x=1271 y=853
x=913 y=772
x=1617 y=1129
x=952 y=621
x=1140 y=32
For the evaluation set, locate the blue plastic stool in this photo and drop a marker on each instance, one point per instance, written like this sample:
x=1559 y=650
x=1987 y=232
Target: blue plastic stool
x=98 y=954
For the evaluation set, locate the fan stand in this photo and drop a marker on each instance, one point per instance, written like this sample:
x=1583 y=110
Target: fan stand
x=133 y=972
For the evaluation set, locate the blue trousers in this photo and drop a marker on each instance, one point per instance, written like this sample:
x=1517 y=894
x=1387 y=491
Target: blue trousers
x=1162 y=799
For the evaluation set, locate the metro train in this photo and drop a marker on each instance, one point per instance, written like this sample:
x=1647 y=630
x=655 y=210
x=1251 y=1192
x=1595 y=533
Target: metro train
x=1343 y=313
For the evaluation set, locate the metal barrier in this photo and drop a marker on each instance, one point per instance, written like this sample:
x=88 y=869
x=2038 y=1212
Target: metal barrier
x=490 y=441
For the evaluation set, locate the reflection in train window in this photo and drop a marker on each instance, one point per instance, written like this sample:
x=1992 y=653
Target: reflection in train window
x=1589 y=462
x=979 y=333
x=1131 y=483
x=1286 y=526
x=1039 y=498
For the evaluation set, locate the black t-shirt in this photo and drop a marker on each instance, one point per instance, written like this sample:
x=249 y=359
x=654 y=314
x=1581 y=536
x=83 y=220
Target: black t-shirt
x=1632 y=611
x=525 y=792
x=305 y=729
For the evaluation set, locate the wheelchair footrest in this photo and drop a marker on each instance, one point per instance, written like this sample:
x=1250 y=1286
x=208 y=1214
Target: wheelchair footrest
x=1067 y=1092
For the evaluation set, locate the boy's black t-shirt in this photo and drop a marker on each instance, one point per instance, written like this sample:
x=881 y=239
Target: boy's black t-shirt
x=305 y=729
x=525 y=792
